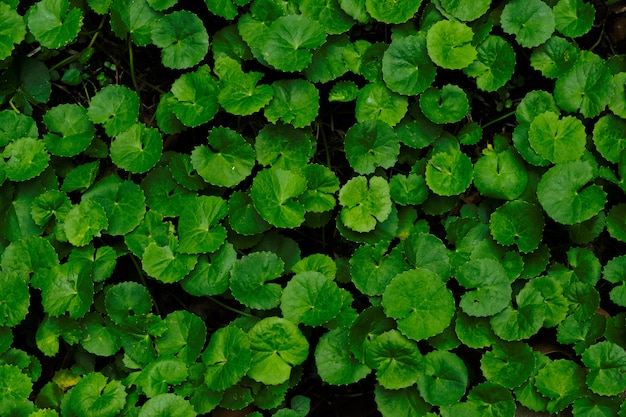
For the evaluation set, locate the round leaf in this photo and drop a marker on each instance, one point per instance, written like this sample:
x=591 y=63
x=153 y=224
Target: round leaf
x=53 y=23
x=449 y=173
x=587 y=87
x=573 y=18
x=127 y=302
x=157 y=377
x=212 y=273
x=523 y=322
x=13 y=30
x=392 y=11
x=517 y=222
x=609 y=136
x=249 y=276
x=115 y=107
x=283 y=146
x=420 y=302
x=557 y=140
x=500 y=174
x=196 y=97
x=565 y=195
x=364 y=204
x=334 y=363
x=444 y=378
x=508 y=364
x=491 y=288
x=25 y=158
x=198 y=226
x=376 y=101
x=372 y=268
x=607 y=365
x=555 y=57
x=310 y=298
x=395 y=358
x=137 y=149
x=14 y=290
x=408 y=190
x=274 y=192
x=295 y=102
x=168 y=404
x=94 y=396
x=240 y=94
x=371 y=144
x=448 y=105
x=406 y=67
x=531 y=21
x=427 y=251
x=166 y=265
x=466 y=10
x=494 y=65
x=84 y=222
x=74 y=129
x=183 y=39
x=449 y=44
x=227 y=358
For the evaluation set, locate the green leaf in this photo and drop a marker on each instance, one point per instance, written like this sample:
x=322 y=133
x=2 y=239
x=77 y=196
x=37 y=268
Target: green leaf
x=334 y=362
x=168 y=404
x=372 y=268
x=474 y=332
x=283 y=146
x=165 y=264
x=562 y=381
x=183 y=39
x=557 y=140
x=227 y=160
x=555 y=57
x=573 y=18
x=101 y=261
x=53 y=23
x=376 y=101
x=530 y=21
x=407 y=69
x=427 y=251
x=392 y=11
x=491 y=288
x=524 y=321
x=69 y=130
x=449 y=44
x=328 y=13
x=370 y=144
x=240 y=95
x=444 y=378
x=494 y=65
x=99 y=336
x=609 y=137
x=15 y=125
x=212 y=273
x=295 y=102
x=370 y=323
x=484 y=400
x=95 y=396
x=196 y=97
x=466 y=10
x=565 y=195
x=137 y=149
x=12 y=32
x=25 y=158
x=184 y=173
x=227 y=357
x=14 y=292
x=184 y=338
x=364 y=204
x=135 y=18
x=328 y=63
x=81 y=177
x=400 y=403
x=343 y=91
x=66 y=288
x=500 y=174
x=15 y=384
x=607 y=368
x=274 y=192
x=276 y=345
x=518 y=222
x=85 y=221
x=157 y=377
x=289 y=40
x=617 y=102
x=508 y=364
x=420 y=302
x=446 y=105
x=123 y=201
x=162 y=4
x=449 y=173
x=310 y=298
x=408 y=190
x=128 y=303
x=322 y=184
x=223 y=8
x=29 y=255
x=243 y=217
x=249 y=276
x=396 y=360
x=587 y=88
x=115 y=107
x=198 y=227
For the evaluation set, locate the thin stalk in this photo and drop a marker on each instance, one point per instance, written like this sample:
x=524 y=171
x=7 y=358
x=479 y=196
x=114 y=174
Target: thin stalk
x=132 y=65
x=504 y=116
x=143 y=281
x=77 y=56
x=229 y=308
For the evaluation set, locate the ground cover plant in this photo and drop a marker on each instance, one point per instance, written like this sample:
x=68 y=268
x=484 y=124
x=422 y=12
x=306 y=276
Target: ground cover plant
x=312 y=207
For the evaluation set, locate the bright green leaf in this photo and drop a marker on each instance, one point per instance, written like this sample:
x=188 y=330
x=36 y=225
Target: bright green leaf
x=508 y=364
x=328 y=63
x=392 y=11
x=609 y=137
x=166 y=265
x=334 y=362
x=446 y=105
x=196 y=97
x=530 y=21
x=573 y=18
x=54 y=23
x=168 y=404
x=364 y=204
x=444 y=378
x=183 y=39
x=500 y=174
x=12 y=32
x=407 y=69
x=249 y=276
x=66 y=288
x=243 y=217
x=137 y=149
x=135 y=18
x=212 y=273
x=494 y=65
x=466 y=10
x=557 y=139
x=449 y=173
x=376 y=101
x=115 y=107
x=328 y=13
x=95 y=396
x=607 y=368
x=372 y=268
x=449 y=44
x=427 y=251
x=84 y=222
x=157 y=377
x=274 y=192
x=283 y=146
x=518 y=222
x=310 y=298
x=555 y=57
x=405 y=402
x=587 y=88
x=321 y=186
x=198 y=227
x=486 y=399
x=14 y=292
x=562 y=381
x=25 y=158
x=395 y=358
x=184 y=338
x=127 y=303
x=227 y=357
x=295 y=102
x=490 y=287
x=240 y=95
x=371 y=144
x=524 y=321
x=74 y=129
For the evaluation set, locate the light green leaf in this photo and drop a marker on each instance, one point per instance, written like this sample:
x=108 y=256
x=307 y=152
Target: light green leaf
x=66 y=288
x=466 y=10
x=405 y=402
x=198 y=226
x=240 y=95
x=249 y=276
x=137 y=149
x=166 y=265
x=395 y=358
x=530 y=21
x=212 y=273
x=617 y=102
x=494 y=65
x=289 y=40
x=490 y=287
x=183 y=39
x=500 y=174
x=167 y=404
x=25 y=158
x=84 y=222
x=370 y=144
x=274 y=192
x=295 y=102
x=484 y=400
x=334 y=362
x=184 y=338
x=392 y=11
x=364 y=204
x=587 y=88
x=115 y=107
x=29 y=255
x=557 y=139
x=12 y=32
x=449 y=173
x=310 y=298
x=15 y=384
x=196 y=97
x=321 y=186
x=343 y=91
x=69 y=130
x=556 y=305
x=607 y=368
x=53 y=23
x=443 y=379
x=223 y=8
x=408 y=190
x=227 y=357
x=80 y=177
x=14 y=290
x=162 y=4
x=407 y=69
x=420 y=302
x=328 y=62
x=562 y=381
x=449 y=44
x=517 y=222
x=15 y=125
x=157 y=377
x=283 y=146
x=555 y=57
x=95 y=396
x=135 y=18
x=328 y=13
x=573 y=18
x=376 y=101
x=446 y=105
x=523 y=322
x=508 y=364
x=609 y=137
x=565 y=195
x=276 y=345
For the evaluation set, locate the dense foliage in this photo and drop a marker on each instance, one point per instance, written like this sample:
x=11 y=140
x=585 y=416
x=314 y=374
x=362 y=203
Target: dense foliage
x=290 y=207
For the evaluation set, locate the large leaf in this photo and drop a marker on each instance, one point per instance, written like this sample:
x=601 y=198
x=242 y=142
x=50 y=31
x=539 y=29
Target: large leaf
x=227 y=357
x=449 y=44
x=395 y=358
x=295 y=102
x=489 y=284
x=494 y=64
x=444 y=378
x=249 y=276
x=334 y=362
x=196 y=97
x=376 y=101
x=53 y=23
x=69 y=130
x=310 y=298
x=371 y=144
x=364 y=205
x=557 y=139
x=116 y=107
x=587 y=88
x=94 y=395
x=407 y=69
x=198 y=226
x=137 y=149
x=531 y=21
x=274 y=193
x=392 y=11
x=183 y=39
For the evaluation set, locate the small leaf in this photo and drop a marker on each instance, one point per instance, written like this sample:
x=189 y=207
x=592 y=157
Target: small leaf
x=249 y=276
x=609 y=137
x=274 y=192
x=407 y=69
x=196 y=97
x=371 y=144
x=531 y=21
x=449 y=173
x=183 y=39
x=16 y=125
x=395 y=358
x=573 y=18
x=446 y=105
x=80 y=177
x=94 y=396
x=243 y=217
x=310 y=298
x=444 y=378
x=494 y=65
x=137 y=149
x=486 y=399
x=491 y=288
x=227 y=357
x=334 y=362
x=115 y=107
x=328 y=13
x=408 y=190
x=53 y=23
x=563 y=197
x=321 y=186
x=518 y=222
x=295 y=102
x=25 y=158
x=376 y=101
x=364 y=204
x=343 y=91
x=198 y=226
x=99 y=336
x=449 y=44
x=276 y=345
x=223 y=8
x=392 y=11
x=328 y=63
x=75 y=131
x=420 y=302
x=84 y=222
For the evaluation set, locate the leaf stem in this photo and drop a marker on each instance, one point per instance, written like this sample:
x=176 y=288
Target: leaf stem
x=77 y=56
x=131 y=61
x=143 y=281
x=227 y=307
x=504 y=116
